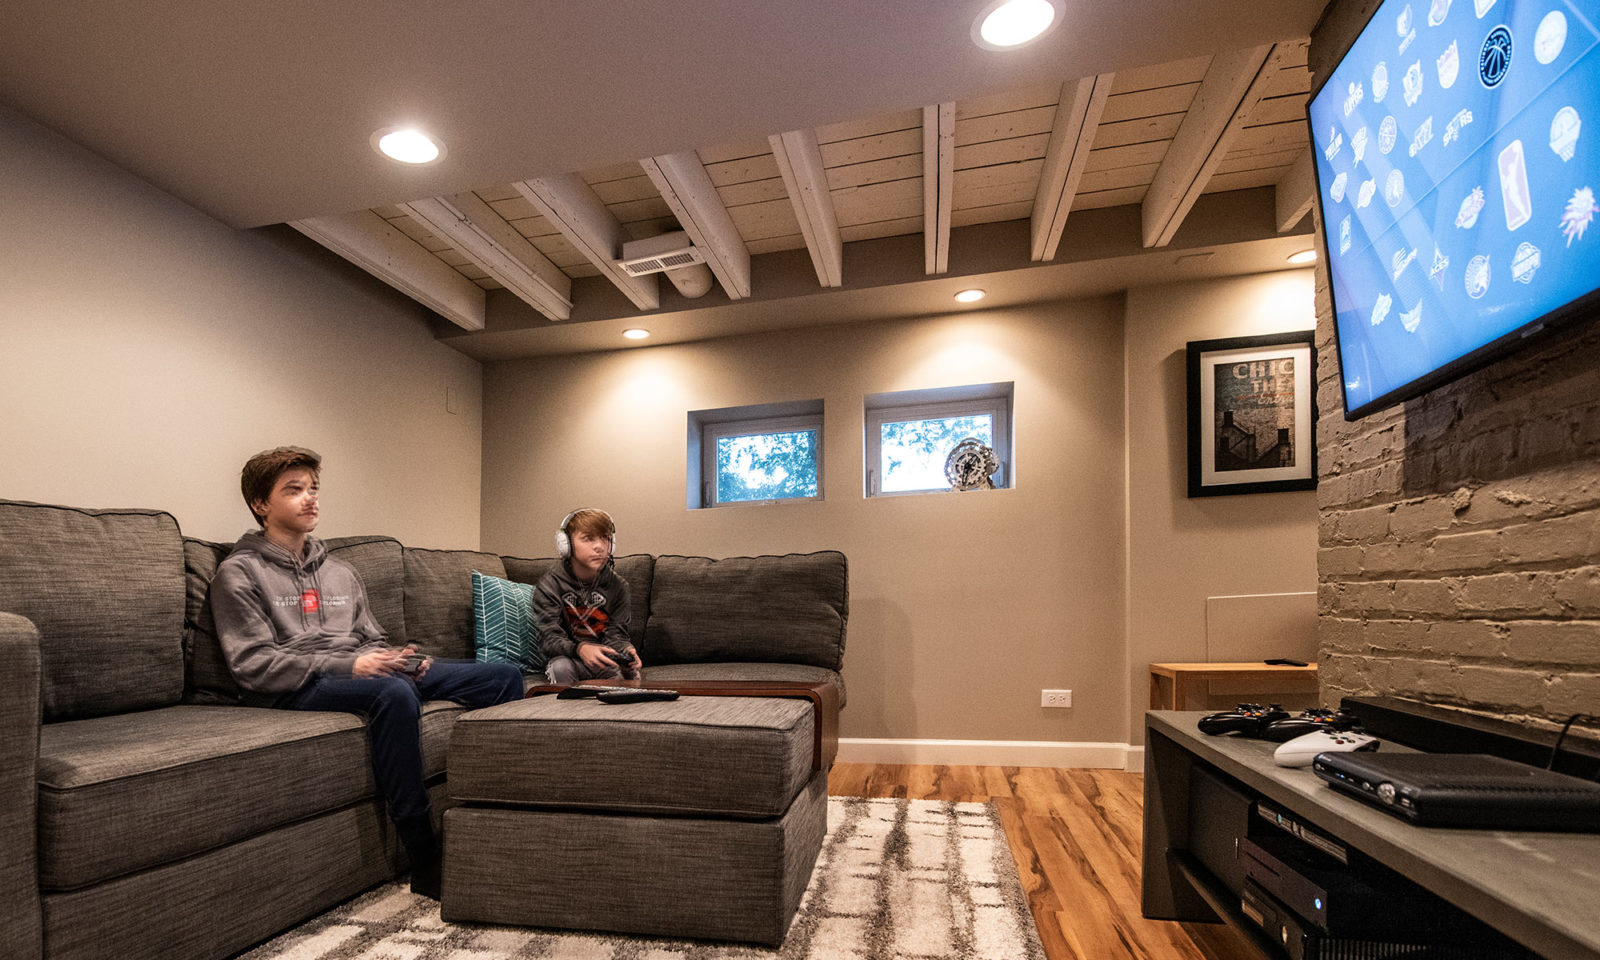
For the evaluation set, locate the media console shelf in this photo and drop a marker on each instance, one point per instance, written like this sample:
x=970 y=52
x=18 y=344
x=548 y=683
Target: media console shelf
x=1539 y=889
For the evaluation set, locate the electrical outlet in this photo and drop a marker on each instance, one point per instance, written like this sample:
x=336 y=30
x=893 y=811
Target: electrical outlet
x=1055 y=698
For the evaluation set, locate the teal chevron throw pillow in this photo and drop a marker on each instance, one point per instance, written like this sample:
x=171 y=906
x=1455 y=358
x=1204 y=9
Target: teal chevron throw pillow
x=502 y=615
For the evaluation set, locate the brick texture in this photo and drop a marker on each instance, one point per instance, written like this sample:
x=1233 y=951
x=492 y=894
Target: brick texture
x=1459 y=559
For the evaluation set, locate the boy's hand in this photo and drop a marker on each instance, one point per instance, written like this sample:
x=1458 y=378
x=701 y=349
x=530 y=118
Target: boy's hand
x=410 y=656
x=598 y=656
x=378 y=663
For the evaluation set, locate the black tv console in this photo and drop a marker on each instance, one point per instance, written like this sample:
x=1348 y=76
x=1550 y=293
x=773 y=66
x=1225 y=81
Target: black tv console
x=1537 y=888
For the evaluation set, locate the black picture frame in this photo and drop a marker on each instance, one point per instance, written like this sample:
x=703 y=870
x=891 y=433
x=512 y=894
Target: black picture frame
x=1252 y=414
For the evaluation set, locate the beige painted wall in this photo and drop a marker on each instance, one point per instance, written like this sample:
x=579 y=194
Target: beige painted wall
x=962 y=606
x=1181 y=551
x=147 y=350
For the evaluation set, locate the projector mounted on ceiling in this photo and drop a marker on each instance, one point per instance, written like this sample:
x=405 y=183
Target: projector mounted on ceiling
x=669 y=251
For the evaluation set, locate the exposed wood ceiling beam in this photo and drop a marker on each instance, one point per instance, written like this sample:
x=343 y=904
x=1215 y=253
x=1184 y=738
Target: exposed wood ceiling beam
x=1071 y=139
x=572 y=207
x=368 y=241
x=800 y=161
x=1233 y=84
x=688 y=190
x=938 y=183
x=1295 y=191
x=473 y=228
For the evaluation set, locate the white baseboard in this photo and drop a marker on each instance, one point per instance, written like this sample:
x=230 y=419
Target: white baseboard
x=997 y=753
x=1135 y=762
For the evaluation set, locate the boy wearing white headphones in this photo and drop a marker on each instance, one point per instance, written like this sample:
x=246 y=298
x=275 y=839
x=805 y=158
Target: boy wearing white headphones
x=582 y=608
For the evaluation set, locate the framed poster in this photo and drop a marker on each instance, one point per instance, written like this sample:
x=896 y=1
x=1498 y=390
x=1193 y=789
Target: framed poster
x=1252 y=414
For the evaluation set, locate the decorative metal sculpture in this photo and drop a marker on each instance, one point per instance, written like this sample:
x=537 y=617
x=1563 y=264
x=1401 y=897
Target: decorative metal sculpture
x=970 y=464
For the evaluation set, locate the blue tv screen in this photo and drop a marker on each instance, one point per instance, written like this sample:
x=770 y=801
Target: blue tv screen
x=1457 y=170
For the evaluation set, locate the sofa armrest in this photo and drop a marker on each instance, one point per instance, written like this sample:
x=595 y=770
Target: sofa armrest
x=20 y=921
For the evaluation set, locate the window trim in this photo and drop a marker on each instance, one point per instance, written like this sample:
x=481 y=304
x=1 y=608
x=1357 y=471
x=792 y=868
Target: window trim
x=712 y=432
x=997 y=407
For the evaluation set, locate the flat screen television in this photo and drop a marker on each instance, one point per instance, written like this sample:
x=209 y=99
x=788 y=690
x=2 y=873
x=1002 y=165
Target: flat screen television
x=1457 y=151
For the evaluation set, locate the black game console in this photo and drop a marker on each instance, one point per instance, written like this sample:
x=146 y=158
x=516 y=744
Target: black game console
x=1321 y=907
x=1465 y=790
x=1301 y=940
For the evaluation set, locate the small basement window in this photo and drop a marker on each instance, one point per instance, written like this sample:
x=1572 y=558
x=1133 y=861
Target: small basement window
x=755 y=454
x=910 y=434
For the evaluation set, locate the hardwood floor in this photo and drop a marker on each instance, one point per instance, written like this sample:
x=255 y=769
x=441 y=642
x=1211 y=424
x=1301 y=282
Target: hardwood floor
x=1076 y=835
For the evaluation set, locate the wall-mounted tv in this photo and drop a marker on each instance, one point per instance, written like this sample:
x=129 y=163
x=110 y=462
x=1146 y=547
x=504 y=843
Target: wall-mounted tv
x=1457 y=169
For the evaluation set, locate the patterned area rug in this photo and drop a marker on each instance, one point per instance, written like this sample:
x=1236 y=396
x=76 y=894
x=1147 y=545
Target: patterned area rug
x=913 y=879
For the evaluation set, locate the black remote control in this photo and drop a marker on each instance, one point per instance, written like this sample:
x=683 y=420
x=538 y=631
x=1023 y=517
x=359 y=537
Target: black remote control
x=575 y=693
x=635 y=695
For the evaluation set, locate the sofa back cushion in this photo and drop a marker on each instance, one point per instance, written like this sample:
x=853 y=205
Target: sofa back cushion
x=105 y=588
x=636 y=569
x=438 y=598
x=207 y=678
x=791 y=608
x=381 y=564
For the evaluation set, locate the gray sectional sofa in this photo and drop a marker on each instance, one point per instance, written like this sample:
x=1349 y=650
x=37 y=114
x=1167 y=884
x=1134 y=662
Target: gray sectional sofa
x=148 y=810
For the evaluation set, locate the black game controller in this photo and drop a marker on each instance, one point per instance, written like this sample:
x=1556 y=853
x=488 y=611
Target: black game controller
x=1248 y=718
x=1310 y=721
x=413 y=663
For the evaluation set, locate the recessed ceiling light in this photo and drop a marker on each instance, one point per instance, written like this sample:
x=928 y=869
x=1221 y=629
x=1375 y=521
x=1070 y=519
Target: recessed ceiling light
x=636 y=333
x=1008 y=24
x=1303 y=256
x=970 y=296
x=407 y=145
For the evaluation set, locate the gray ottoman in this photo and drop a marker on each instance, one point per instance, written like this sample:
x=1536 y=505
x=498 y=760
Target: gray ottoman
x=699 y=817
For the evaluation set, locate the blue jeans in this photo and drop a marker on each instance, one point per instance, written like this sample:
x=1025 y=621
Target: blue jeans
x=392 y=705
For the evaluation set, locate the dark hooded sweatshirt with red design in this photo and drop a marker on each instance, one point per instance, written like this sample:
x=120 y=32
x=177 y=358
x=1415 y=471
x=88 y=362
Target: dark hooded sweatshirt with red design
x=569 y=611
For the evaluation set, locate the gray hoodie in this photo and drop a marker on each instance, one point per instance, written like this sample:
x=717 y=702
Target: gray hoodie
x=281 y=618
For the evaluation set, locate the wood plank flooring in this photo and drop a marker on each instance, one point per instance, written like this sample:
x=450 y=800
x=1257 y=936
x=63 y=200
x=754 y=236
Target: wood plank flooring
x=1076 y=835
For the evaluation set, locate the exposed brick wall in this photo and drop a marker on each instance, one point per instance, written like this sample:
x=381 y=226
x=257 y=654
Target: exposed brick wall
x=1459 y=559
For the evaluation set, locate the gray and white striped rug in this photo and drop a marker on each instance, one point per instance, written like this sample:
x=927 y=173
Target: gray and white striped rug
x=913 y=879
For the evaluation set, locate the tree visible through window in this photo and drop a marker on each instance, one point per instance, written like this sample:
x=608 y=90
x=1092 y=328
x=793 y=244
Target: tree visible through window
x=914 y=451
x=766 y=466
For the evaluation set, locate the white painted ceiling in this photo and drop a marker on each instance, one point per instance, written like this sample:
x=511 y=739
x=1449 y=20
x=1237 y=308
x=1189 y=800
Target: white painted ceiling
x=260 y=113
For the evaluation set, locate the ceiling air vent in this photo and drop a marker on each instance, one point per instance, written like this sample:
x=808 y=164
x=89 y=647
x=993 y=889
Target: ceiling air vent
x=669 y=251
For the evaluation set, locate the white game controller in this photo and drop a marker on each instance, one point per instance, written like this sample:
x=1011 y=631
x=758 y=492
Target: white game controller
x=1300 y=751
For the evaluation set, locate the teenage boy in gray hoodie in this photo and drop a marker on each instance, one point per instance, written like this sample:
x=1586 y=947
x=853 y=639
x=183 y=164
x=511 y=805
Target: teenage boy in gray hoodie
x=581 y=607
x=297 y=634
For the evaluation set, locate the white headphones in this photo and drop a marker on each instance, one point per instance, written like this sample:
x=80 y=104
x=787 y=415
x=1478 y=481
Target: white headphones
x=564 y=541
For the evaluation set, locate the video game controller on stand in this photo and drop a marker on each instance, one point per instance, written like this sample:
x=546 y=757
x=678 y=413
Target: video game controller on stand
x=1309 y=721
x=1247 y=718
x=1300 y=751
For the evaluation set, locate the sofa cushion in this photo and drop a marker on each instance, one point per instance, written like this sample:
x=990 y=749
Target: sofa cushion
x=106 y=590
x=502 y=623
x=207 y=678
x=379 y=562
x=636 y=569
x=704 y=756
x=438 y=599
x=756 y=609
x=127 y=792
